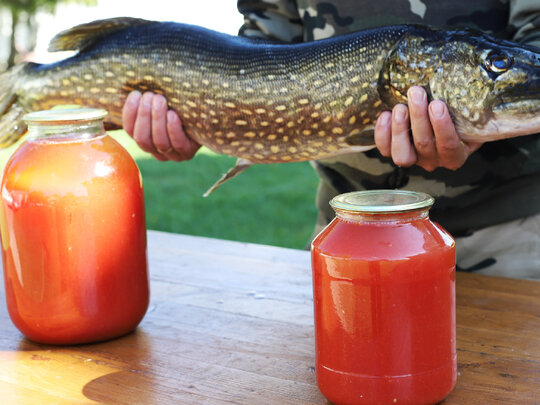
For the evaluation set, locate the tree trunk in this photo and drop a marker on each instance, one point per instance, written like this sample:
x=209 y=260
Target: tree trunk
x=13 y=50
x=32 y=28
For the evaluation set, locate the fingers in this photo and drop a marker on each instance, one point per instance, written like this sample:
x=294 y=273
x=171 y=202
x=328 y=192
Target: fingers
x=143 y=124
x=159 y=133
x=184 y=146
x=434 y=142
x=451 y=150
x=383 y=134
x=156 y=129
x=422 y=131
x=129 y=111
x=402 y=149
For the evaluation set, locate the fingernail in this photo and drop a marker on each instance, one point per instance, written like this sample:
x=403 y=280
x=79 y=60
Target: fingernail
x=384 y=120
x=417 y=95
x=400 y=113
x=437 y=109
x=134 y=98
x=159 y=102
x=147 y=100
x=172 y=117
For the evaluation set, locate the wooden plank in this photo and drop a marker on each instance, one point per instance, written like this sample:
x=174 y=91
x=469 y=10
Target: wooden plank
x=24 y=395
x=26 y=374
x=232 y=323
x=487 y=379
x=178 y=244
x=229 y=325
x=501 y=284
x=269 y=274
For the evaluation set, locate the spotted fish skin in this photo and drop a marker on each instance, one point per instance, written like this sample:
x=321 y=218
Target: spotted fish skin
x=261 y=102
x=269 y=103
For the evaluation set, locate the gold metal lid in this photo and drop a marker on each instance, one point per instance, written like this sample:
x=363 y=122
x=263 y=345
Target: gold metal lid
x=382 y=201
x=62 y=115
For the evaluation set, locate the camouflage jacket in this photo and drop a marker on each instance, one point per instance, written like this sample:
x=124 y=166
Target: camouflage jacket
x=498 y=183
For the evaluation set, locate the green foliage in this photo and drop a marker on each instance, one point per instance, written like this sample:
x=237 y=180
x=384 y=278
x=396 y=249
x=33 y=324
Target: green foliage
x=31 y=6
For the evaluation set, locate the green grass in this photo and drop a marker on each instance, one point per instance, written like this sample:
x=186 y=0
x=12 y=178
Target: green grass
x=269 y=204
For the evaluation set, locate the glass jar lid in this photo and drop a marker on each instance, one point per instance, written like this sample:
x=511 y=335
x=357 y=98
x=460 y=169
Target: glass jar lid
x=382 y=201
x=65 y=115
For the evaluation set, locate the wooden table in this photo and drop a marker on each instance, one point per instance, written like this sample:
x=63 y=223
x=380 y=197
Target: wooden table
x=232 y=322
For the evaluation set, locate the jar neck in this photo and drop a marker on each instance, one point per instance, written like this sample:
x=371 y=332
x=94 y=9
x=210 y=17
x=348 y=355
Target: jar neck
x=66 y=130
x=394 y=217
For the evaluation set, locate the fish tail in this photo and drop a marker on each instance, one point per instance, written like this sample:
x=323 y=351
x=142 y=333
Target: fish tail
x=12 y=109
x=12 y=126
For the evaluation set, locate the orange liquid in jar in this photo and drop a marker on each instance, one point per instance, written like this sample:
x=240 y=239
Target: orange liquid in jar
x=74 y=240
x=384 y=300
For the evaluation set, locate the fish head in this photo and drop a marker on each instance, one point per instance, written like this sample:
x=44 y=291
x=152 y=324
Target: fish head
x=491 y=86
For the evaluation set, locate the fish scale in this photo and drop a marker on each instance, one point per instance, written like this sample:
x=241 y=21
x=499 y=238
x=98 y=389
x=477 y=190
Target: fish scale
x=273 y=103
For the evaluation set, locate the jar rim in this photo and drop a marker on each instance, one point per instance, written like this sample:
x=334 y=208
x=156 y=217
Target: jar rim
x=64 y=115
x=382 y=201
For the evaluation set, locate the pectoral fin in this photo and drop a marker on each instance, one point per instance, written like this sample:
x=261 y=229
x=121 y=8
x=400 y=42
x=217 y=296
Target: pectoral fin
x=239 y=167
x=364 y=138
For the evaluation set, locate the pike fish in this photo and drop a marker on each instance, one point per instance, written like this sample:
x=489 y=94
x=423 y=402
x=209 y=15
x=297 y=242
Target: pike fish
x=266 y=102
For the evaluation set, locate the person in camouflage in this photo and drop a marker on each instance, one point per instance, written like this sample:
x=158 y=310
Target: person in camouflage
x=487 y=196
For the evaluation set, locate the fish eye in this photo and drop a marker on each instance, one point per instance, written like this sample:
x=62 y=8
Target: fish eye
x=498 y=62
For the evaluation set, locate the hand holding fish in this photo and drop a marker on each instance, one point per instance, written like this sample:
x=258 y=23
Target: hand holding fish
x=155 y=128
x=435 y=142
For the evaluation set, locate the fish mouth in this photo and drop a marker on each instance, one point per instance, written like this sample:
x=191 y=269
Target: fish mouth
x=517 y=117
x=519 y=107
x=508 y=121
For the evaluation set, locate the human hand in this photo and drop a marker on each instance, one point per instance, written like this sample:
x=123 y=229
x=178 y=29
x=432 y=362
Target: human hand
x=156 y=129
x=435 y=142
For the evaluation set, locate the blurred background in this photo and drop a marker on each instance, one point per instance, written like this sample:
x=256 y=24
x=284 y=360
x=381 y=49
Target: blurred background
x=270 y=204
x=26 y=26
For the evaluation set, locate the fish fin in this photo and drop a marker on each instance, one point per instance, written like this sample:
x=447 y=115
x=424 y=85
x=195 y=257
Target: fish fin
x=12 y=126
x=363 y=138
x=239 y=167
x=7 y=87
x=81 y=36
x=11 y=113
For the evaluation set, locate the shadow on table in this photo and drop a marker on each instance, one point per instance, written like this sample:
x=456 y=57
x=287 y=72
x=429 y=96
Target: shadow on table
x=116 y=371
x=121 y=387
x=132 y=380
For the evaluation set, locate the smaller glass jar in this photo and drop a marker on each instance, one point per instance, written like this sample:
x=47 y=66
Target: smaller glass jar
x=73 y=231
x=384 y=301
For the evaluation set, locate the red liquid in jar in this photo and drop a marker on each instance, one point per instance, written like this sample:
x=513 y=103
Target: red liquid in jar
x=384 y=299
x=74 y=240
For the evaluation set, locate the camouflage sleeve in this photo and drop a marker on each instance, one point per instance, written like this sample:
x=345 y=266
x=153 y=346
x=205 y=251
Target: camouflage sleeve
x=525 y=18
x=276 y=20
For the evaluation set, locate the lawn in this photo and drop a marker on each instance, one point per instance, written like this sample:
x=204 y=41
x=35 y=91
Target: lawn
x=270 y=204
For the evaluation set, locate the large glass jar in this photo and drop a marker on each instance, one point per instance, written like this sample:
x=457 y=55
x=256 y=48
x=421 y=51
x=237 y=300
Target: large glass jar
x=384 y=301
x=73 y=231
